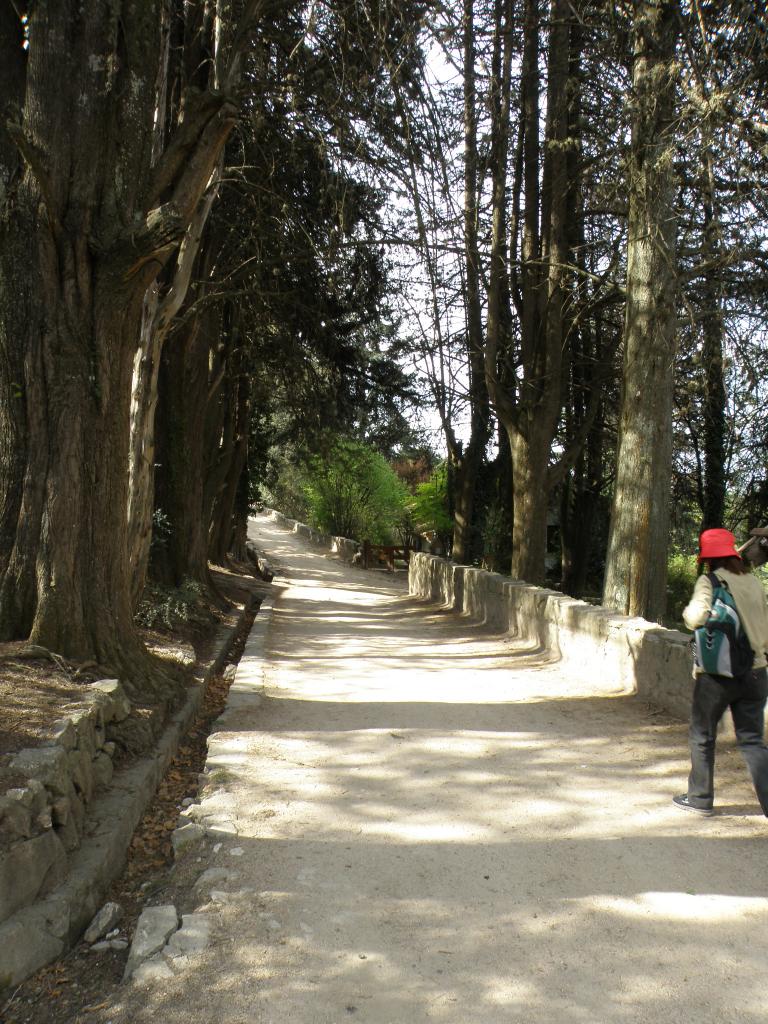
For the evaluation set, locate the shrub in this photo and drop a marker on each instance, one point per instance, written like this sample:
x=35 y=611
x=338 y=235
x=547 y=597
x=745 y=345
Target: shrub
x=682 y=570
x=429 y=506
x=353 y=492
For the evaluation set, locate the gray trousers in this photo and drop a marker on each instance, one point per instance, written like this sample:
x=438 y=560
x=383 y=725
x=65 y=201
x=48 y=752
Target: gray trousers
x=746 y=697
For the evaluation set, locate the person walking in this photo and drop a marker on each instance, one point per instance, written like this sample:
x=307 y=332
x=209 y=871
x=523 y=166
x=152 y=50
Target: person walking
x=744 y=694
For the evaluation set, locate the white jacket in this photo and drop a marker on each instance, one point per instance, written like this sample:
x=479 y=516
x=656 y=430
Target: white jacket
x=750 y=600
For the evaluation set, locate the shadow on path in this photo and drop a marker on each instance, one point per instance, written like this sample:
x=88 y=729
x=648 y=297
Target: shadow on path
x=426 y=821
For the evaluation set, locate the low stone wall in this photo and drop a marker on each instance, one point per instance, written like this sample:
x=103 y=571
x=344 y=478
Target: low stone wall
x=43 y=821
x=642 y=657
x=64 y=833
x=345 y=548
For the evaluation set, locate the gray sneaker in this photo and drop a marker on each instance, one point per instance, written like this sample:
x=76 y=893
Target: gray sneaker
x=684 y=804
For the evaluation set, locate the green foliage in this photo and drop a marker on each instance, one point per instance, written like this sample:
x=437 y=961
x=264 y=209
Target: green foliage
x=285 y=487
x=352 y=491
x=167 y=608
x=682 y=570
x=429 y=506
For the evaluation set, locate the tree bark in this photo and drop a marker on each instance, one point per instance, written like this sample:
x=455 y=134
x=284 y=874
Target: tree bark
x=713 y=510
x=468 y=464
x=531 y=419
x=232 y=455
x=635 y=579
x=180 y=547
x=98 y=239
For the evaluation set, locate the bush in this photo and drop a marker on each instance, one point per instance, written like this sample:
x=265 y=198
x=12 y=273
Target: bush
x=168 y=609
x=429 y=506
x=682 y=570
x=286 y=491
x=354 y=492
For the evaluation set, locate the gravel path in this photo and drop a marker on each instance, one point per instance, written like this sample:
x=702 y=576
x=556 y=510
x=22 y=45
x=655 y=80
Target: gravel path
x=433 y=823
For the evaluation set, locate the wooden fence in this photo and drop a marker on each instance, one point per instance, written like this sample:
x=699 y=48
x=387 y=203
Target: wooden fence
x=384 y=554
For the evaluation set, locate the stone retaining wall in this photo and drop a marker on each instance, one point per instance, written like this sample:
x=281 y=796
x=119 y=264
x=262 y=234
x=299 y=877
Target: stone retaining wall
x=43 y=821
x=64 y=833
x=645 y=659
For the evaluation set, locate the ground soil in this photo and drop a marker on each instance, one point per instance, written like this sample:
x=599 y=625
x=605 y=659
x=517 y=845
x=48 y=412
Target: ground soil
x=420 y=820
x=34 y=694
x=433 y=822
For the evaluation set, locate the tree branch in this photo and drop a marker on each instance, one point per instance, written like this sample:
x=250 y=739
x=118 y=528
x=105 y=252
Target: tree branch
x=158 y=236
x=200 y=109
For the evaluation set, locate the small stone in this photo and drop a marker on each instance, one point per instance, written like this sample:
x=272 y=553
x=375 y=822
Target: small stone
x=187 y=801
x=113 y=934
x=153 y=928
x=47 y=765
x=214 y=876
x=102 y=769
x=109 y=748
x=63 y=733
x=186 y=836
x=60 y=811
x=117 y=706
x=81 y=773
x=99 y=947
x=238 y=851
x=155 y=969
x=30 y=867
x=119 y=944
x=227 y=827
x=44 y=819
x=25 y=796
x=68 y=832
x=84 y=725
x=103 y=922
x=193 y=936
x=15 y=818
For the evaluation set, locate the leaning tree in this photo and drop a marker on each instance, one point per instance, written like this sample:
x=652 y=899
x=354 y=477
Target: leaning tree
x=93 y=210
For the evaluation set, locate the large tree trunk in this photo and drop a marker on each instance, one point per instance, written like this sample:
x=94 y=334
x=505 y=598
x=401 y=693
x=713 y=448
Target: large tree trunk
x=103 y=222
x=635 y=580
x=21 y=503
x=180 y=550
x=158 y=320
x=83 y=293
x=531 y=419
x=469 y=463
x=713 y=504
x=232 y=455
x=531 y=500
x=198 y=63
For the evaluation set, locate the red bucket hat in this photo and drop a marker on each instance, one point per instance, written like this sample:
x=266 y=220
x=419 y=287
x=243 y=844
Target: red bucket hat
x=717 y=544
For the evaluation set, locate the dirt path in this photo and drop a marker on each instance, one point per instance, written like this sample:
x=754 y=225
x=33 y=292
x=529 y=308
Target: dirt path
x=434 y=824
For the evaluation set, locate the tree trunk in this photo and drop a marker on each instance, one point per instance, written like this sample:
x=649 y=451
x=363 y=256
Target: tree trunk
x=635 y=580
x=530 y=506
x=531 y=419
x=100 y=234
x=239 y=549
x=20 y=329
x=180 y=548
x=468 y=465
x=158 y=320
x=233 y=455
x=713 y=510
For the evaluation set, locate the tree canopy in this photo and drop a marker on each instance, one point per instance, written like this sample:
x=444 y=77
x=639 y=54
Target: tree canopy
x=233 y=235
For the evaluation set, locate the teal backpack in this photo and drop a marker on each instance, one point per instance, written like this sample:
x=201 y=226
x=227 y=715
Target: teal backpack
x=720 y=646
